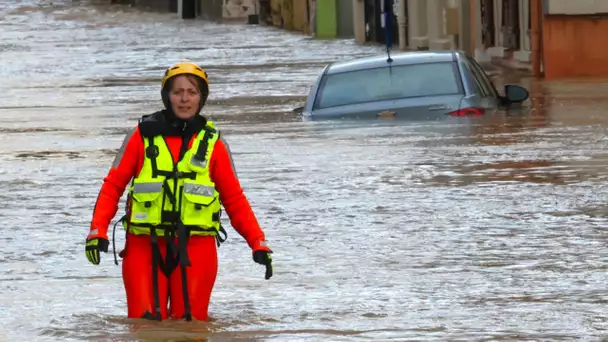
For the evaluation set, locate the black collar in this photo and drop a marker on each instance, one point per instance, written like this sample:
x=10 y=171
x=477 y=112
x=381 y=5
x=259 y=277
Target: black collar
x=165 y=124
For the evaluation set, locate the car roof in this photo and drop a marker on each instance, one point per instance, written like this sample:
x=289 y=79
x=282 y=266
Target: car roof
x=405 y=58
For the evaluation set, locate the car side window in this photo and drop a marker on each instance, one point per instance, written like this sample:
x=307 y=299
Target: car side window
x=481 y=89
x=483 y=77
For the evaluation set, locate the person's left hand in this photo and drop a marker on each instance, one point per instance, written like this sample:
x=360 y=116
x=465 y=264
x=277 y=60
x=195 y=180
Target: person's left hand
x=93 y=247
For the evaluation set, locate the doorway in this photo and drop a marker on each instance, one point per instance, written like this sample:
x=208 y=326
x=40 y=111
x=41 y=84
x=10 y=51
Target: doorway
x=488 y=37
x=510 y=24
x=374 y=32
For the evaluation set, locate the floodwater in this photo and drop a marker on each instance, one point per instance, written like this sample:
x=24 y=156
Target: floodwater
x=486 y=229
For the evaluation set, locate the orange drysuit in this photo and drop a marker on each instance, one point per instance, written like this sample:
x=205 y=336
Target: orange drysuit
x=137 y=255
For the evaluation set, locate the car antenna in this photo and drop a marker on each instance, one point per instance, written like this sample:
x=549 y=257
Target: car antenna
x=388 y=16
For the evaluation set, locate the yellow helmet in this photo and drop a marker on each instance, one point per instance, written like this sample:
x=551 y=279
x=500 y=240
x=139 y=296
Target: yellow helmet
x=185 y=68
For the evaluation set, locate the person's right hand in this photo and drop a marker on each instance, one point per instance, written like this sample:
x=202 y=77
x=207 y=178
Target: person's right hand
x=93 y=247
x=263 y=257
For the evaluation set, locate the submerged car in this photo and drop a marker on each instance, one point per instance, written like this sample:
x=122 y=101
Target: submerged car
x=416 y=85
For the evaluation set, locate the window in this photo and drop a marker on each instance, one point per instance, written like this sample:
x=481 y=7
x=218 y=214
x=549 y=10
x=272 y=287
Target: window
x=480 y=75
x=388 y=83
x=473 y=80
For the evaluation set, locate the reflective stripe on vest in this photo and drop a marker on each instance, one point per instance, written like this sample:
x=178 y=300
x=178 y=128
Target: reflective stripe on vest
x=195 y=204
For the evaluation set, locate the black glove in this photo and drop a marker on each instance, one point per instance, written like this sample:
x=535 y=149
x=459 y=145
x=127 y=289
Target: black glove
x=93 y=247
x=264 y=258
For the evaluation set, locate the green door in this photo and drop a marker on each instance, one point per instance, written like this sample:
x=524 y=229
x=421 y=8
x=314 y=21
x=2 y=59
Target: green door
x=326 y=17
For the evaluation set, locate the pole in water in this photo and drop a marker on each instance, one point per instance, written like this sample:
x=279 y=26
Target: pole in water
x=388 y=20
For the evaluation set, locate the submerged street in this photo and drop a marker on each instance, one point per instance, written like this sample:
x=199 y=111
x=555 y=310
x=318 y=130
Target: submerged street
x=473 y=229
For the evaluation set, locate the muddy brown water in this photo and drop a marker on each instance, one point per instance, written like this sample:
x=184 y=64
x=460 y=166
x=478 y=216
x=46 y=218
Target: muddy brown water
x=485 y=229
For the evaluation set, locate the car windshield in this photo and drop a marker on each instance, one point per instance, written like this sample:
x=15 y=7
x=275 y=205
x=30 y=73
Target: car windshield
x=396 y=82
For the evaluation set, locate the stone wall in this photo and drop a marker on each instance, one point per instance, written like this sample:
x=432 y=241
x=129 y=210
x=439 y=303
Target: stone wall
x=286 y=14
x=291 y=14
x=300 y=20
x=275 y=13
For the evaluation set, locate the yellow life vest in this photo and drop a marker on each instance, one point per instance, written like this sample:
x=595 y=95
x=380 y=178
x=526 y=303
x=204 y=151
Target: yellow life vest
x=165 y=196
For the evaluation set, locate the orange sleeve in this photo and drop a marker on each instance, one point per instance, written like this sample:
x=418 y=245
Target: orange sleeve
x=233 y=199
x=124 y=168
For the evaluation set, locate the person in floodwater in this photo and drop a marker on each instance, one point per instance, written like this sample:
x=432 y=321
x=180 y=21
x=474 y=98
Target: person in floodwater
x=182 y=173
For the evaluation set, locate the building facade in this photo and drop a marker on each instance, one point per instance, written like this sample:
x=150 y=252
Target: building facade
x=207 y=9
x=292 y=15
x=416 y=24
x=501 y=31
x=552 y=38
x=571 y=38
x=334 y=19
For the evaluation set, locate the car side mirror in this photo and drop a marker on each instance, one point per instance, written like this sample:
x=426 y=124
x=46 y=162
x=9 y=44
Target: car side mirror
x=515 y=93
x=298 y=110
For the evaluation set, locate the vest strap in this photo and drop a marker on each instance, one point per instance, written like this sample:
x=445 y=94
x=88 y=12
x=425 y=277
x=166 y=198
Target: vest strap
x=152 y=152
x=157 y=261
x=177 y=174
x=201 y=153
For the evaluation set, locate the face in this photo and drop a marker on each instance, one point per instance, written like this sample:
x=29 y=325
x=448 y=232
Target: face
x=185 y=96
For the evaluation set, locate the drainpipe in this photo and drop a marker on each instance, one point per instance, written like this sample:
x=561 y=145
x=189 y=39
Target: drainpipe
x=473 y=27
x=402 y=21
x=464 y=29
x=536 y=12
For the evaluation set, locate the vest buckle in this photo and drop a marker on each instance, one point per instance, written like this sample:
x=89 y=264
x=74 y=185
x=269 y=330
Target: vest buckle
x=152 y=151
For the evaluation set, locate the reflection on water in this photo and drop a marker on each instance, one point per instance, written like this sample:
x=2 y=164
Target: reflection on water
x=490 y=228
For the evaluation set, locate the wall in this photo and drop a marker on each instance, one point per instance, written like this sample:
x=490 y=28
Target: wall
x=572 y=46
x=287 y=14
x=238 y=9
x=345 y=19
x=300 y=16
x=163 y=5
x=575 y=7
x=465 y=35
x=290 y=14
x=417 y=24
x=211 y=9
x=275 y=12
x=359 y=21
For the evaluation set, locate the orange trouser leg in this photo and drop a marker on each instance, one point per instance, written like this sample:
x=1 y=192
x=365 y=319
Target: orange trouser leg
x=202 y=253
x=137 y=277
